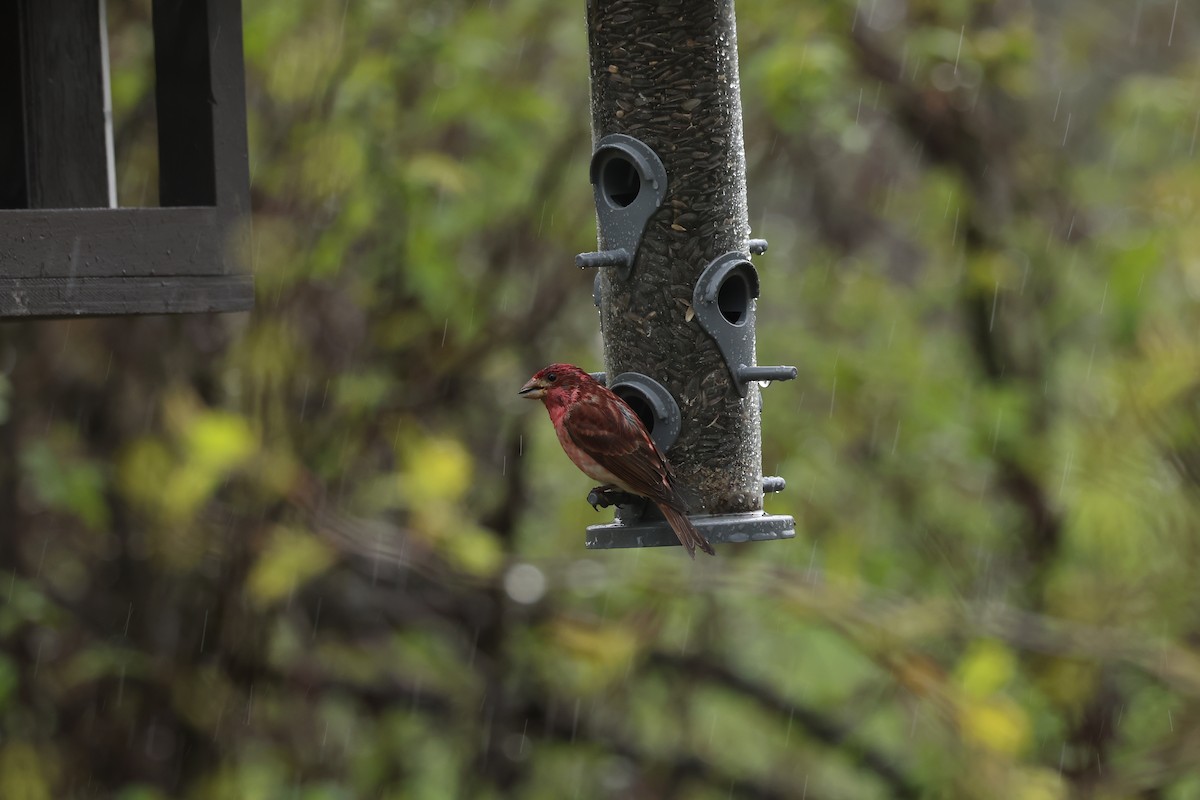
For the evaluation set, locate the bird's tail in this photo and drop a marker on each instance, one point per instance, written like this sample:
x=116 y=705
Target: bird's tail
x=689 y=537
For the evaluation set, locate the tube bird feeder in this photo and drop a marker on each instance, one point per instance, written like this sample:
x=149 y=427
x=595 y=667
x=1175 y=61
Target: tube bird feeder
x=676 y=288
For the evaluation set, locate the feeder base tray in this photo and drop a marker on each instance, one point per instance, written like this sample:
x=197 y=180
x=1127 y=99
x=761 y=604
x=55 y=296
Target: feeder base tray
x=717 y=528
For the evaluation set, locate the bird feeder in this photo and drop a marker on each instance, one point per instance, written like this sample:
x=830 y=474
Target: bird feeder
x=65 y=248
x=676 y=287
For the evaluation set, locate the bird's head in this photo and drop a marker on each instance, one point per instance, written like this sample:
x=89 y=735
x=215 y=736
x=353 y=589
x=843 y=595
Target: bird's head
x=556 y=380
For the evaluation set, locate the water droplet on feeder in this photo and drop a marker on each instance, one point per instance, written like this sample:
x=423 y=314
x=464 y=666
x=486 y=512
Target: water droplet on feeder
x=763 y=384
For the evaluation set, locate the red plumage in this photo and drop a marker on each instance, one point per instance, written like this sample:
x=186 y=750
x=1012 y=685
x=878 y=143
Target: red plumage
x=604 y=438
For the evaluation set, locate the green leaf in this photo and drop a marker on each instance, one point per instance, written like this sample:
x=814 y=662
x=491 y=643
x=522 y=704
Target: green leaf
x=64 y=479
x=291 y=558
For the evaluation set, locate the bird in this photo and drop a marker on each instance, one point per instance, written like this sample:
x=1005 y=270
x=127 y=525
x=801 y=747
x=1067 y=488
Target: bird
x=603 y=436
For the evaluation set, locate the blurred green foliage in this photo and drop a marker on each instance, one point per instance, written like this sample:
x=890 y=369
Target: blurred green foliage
x=322 y=550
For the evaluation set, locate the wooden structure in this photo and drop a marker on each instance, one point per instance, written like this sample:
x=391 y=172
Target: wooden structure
x=65 y=249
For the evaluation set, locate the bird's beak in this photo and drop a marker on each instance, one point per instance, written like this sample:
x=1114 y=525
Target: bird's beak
x=533 y=390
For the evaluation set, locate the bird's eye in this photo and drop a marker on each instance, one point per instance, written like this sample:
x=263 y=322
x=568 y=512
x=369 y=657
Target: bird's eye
x=552 y=377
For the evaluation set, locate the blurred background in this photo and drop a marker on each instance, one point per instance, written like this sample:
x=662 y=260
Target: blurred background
x=323 y=551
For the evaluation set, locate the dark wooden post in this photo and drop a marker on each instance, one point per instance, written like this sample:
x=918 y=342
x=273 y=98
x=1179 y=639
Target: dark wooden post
x=66 y=127
x=666 y=72
x=198 y=71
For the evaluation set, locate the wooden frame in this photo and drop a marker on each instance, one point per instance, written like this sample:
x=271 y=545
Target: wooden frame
x=64 y=249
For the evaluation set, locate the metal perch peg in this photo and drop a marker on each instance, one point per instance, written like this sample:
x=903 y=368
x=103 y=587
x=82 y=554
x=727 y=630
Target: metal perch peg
x=604 y=258
x=748 y=374
x=773 y=483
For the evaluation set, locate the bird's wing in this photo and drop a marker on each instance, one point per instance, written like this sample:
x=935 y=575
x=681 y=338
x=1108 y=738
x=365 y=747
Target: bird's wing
x=617 y=440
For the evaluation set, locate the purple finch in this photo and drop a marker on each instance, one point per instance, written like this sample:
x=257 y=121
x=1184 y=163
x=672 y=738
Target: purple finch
x=604 y=437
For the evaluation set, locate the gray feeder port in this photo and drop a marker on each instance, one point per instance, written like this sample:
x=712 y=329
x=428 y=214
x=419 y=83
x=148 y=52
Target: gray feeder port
x=628 y=184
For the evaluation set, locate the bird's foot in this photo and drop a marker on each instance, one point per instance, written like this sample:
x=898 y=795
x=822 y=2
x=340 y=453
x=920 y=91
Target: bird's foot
x=608 y=495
